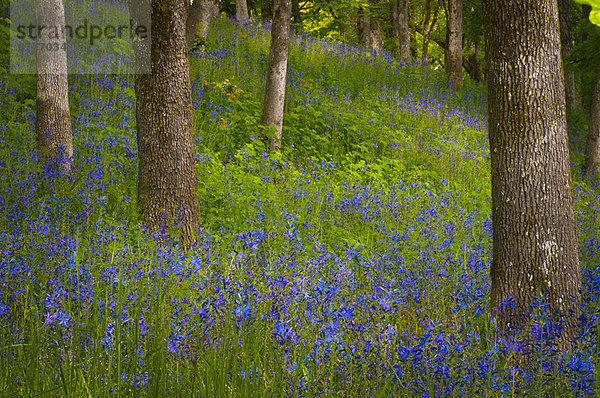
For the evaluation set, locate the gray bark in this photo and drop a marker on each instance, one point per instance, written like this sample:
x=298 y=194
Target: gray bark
x=454 y=47
x=53 y=118
x=592 y=147
x=241 y=10
x=276 y=76
x=167 y=186
x=369 y=28
x=535 y=247
x=566 y=41
x=200 y=15
x=400 y=29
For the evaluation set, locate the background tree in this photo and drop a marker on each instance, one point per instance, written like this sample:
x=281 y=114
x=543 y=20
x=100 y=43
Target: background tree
x=369 y=26
x=566 y=42
x=199 y=17
x=592 y=145
x=454 y=48
x=241 y=10
x=167 y=186
x=535 y=251
x=400 y=32
x=276 y=75
x=429 y=20
x=52 y=116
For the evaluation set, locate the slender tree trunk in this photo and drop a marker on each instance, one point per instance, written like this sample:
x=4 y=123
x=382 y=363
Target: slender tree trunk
x=276 y=76
x=266 y=11
x=369 y=28
x=400 y=29
x=566 y=42
x=200 y=15
x=585 y=15
x=535 y=251
x=592 y=147
x=167 y=186
x=53 y=119
x=296 y=14
x=454 y=46
x=428 y=29
x=241 y=10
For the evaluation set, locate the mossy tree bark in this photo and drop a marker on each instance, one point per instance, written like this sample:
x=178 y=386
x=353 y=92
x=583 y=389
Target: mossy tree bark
x=167 y=186
x=276 y=76
x=592 y=146
x=535 y=251
x=454 y=46
x=52 y=115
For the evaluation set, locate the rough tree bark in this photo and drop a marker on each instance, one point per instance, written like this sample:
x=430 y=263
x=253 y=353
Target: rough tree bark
x=241 y=10
x=454 y=46
x=566 y=42
x=400 y=31
x=167 y=186
x=200 y=15
x=592 y=146
x=276 y=76
x=534 y=237
x=52 y=116
x=369 y=28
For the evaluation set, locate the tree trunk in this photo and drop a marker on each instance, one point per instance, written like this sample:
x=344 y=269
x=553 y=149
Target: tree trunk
x=592 y=146
x=296 y=14
x=241 y=10
x=454 y=47
x=200 y=15
x=428 y=29
x=266 y=11
x=52 y=116
x=534 y=238
x=276 y=76
x=369 y=28
x=400 y=29
x=566 y=42
x=167 y=186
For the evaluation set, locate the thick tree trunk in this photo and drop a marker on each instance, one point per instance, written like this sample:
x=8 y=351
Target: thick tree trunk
x=369 y=28
x=241 y=10
x=454 y=47
x=566 y=42
x=167 y=186
x=534 y=238
x=400 y=29
x=200 y=15
x=592 y=147
x=52 y=116
x=276 y=76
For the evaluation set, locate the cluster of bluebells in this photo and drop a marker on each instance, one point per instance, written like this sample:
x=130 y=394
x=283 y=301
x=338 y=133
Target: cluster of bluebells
x=342 y=278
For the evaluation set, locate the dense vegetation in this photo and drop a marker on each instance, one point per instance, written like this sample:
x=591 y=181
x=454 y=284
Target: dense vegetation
x=354 y=263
